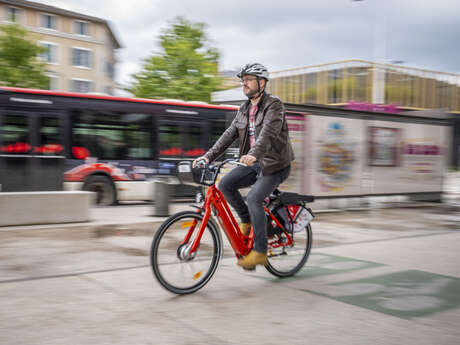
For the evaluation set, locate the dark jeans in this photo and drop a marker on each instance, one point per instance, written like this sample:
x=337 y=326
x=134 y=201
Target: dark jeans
x=242 y=177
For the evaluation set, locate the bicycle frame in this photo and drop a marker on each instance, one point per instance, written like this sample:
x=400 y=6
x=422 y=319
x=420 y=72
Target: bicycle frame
x=215 y=200
x=241 y=244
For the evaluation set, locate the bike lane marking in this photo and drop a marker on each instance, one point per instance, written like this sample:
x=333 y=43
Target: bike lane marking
x=325 y=264
x=320 y=264
x=405 y=294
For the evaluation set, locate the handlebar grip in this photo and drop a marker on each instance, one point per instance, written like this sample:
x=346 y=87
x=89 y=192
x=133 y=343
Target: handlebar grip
x=201 y=163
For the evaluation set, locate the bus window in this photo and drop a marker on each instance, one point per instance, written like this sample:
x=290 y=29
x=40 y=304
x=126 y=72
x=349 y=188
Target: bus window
x=233 y=150
x=217 y=129
x=184 y=140
x=112 y=136
x=139 y=143
x=193 y=141
x=170 y=144
x=50 y=140
x=15 y=135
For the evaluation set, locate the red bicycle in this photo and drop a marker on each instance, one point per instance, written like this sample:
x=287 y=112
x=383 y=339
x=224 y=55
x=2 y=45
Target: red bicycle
x=187 y=247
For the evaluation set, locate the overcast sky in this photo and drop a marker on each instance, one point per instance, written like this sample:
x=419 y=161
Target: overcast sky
x=290 y=33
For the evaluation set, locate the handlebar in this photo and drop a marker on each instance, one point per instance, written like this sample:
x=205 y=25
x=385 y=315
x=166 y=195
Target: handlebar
x=219 y=166
x=215 y=169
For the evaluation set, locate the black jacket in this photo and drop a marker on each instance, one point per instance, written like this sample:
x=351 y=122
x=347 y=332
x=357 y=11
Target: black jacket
x=272 y=146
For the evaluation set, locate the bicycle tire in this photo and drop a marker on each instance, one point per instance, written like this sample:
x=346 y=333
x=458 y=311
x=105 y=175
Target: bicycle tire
x=167 y=242
x=297 y=254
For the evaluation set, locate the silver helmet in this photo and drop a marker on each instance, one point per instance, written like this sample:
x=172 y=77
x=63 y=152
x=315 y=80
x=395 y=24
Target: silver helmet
x=256 y=69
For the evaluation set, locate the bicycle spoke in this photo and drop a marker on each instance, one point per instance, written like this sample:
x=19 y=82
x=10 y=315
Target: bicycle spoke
x=176 y=268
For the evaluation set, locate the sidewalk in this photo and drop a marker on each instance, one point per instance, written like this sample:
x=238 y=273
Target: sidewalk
x=380 y=276
x=143 y=213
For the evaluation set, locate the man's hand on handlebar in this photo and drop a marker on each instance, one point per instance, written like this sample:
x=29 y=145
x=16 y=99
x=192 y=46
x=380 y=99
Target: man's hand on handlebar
x=200 y=159
x=248 y=160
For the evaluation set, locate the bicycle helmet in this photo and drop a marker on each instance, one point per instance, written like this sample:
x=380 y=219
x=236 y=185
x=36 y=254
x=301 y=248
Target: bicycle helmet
x=256 y=69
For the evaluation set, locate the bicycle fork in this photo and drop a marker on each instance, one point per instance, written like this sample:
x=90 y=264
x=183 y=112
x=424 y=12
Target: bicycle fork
x=187 y=249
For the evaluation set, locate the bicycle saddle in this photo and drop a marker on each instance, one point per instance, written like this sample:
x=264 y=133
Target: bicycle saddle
x=290 y=198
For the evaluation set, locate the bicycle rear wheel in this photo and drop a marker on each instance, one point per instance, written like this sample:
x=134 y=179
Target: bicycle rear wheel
x=285 y=261
x=174 y=269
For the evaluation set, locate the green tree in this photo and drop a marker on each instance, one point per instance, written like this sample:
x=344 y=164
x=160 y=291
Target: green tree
x=186 y=68
x=19 y=65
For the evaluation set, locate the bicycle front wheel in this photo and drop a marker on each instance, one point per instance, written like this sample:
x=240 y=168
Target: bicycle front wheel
x=287 y=260
x=173 y=266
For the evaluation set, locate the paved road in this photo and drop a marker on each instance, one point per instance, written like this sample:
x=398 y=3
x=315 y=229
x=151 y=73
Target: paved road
x=385 y=276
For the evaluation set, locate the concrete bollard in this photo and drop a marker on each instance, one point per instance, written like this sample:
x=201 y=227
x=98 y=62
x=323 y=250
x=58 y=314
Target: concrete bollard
x=162 y=192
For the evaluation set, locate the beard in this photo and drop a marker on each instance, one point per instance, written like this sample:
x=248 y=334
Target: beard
x=250 y=92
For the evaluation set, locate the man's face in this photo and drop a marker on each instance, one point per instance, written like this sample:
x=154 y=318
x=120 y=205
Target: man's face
x=250 y=87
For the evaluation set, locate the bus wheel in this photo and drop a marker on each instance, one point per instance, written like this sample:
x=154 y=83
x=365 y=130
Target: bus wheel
x=103 y=187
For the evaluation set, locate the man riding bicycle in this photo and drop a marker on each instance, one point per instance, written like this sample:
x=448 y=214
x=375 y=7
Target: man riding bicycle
x=265 y=148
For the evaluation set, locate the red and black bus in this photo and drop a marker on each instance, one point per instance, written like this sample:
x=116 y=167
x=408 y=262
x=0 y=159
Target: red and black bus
x=112 y=145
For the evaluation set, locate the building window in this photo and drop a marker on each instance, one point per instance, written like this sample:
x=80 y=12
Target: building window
x=53 y=81
x=81 y=57
x=81 y=28
x=110 y=70
x=81 y=85
x=334 y=86
x=311 y=87
x=49 y=21
x=12 y=14
x=50 y=55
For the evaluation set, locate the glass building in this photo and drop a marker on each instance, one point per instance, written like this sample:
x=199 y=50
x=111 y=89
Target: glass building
x=339 y=83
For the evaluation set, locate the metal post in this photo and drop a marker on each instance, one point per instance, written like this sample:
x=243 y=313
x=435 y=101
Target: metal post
x=161 y=192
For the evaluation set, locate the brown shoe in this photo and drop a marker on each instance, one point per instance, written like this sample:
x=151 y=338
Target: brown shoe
x=254 y=258
x=245 y=228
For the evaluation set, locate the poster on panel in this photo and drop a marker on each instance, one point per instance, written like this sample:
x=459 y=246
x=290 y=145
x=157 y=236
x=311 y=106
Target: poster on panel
x=383 y=146
x=337 y=156
x=406 y=157
x=424 y=158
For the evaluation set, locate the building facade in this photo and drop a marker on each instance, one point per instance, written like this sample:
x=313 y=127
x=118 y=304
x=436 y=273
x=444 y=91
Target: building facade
x=80 y=51
x=364 y=82
x=342 y=82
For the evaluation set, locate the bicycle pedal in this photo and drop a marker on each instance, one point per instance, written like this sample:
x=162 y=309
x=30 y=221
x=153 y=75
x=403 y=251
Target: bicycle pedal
x=249 y=269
